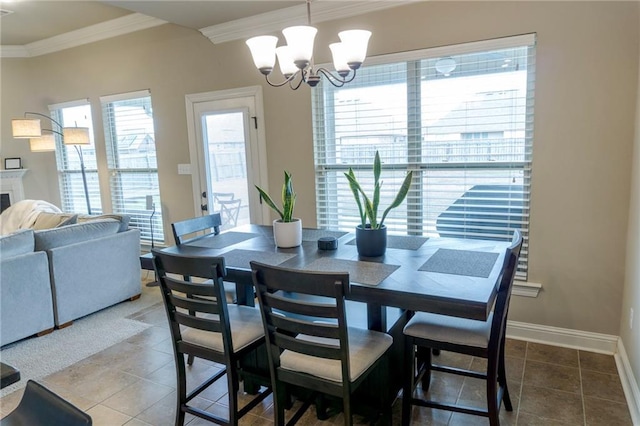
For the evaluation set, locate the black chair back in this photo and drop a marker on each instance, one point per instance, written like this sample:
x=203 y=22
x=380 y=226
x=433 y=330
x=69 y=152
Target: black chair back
x=295 y=302
x=186 y=300
x=188 y=227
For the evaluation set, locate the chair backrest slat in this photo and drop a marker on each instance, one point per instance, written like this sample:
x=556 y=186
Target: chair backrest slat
x=183 y=228
x=319 y=350
x=203 y=324
x=300 y=306
x=188 y=287
x=316 y=283
x=196 y=305
x=300 y=326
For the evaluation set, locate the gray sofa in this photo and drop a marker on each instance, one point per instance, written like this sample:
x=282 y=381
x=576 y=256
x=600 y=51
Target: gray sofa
x=50 y=277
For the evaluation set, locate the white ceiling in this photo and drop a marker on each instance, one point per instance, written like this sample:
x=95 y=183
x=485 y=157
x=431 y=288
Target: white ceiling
x=34 y=21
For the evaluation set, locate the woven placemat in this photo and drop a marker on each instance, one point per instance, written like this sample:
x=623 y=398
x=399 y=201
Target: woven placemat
x=240 y=258
x=461 y=262
x=222 y=240
x=314 y=234
x=403 y=242
x=360 y=272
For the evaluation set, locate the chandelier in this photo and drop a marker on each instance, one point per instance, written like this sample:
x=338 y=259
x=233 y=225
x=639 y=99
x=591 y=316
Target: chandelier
x=296 y=57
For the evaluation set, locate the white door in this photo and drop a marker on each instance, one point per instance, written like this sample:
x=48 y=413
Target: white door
x=228 y=155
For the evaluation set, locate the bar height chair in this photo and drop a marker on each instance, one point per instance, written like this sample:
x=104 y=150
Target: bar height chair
x=203 y=325
x=309 y=343
x=429 y=332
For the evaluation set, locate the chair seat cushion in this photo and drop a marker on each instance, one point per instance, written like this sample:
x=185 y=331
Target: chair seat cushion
x=246 y=328
x=365 y=347
x=444 y=328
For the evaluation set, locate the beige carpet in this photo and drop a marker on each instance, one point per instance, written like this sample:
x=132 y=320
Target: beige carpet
x=38 y=357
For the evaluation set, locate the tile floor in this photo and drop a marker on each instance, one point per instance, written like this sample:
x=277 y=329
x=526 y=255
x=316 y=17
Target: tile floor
x=133 y=383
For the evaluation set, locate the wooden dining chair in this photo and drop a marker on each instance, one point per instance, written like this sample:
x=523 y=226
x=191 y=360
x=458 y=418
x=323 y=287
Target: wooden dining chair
x=309 y=343
x=190 y=227
x=485 y=339
x=205 y=326
x=187 y=230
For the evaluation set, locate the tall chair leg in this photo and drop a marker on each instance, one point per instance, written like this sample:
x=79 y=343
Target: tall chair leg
x=407 y=380
x=502 y=379
x=181 y=396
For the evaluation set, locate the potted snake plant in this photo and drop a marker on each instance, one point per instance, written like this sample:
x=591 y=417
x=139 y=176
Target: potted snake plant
x=287 y=231
x=371 y=234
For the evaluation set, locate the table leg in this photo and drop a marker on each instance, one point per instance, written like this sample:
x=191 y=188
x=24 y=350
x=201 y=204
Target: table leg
x=376 y=317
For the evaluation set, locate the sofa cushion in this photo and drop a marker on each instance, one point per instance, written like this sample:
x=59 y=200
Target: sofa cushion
x=50 y=238
x=46 y=220
x=122 y=218
x=20 y=242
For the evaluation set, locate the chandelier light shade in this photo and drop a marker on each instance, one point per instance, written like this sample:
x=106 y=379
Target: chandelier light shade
x=26 y=128
x=44 y=143
x=75 y=136
x=296 y=57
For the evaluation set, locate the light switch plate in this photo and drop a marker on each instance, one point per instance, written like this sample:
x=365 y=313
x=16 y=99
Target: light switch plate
x=184 y=169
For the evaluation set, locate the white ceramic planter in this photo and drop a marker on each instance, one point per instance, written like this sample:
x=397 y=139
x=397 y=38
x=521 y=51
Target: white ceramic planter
x=287 y=234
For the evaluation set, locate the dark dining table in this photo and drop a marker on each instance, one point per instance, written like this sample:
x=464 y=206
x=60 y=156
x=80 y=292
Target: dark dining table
x=448 y=276
x=455 y=277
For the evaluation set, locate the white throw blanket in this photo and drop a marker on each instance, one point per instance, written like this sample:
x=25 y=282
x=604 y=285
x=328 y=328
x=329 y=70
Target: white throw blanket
x=23 y=214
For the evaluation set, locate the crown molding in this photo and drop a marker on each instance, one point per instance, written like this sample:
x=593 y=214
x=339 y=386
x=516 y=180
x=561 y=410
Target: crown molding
x=102 y=31
x=270 y=22
x=13 y=52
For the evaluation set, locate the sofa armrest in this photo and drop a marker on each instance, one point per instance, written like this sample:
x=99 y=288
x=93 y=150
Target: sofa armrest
x=92 y=275
x=26 y=304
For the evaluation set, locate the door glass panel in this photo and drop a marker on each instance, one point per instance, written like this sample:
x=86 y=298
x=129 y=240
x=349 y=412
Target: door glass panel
x=225 y=139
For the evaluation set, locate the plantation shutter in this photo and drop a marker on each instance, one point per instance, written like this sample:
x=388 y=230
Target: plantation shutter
x=72 y=195
x=460 y=117
x=131 y=159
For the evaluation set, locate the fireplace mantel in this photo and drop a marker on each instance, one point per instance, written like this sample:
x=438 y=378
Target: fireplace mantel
x=11 y=183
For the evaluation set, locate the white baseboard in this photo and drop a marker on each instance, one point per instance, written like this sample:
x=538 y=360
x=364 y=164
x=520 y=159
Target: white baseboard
x=587 y=341
x=629 y=383
x=575 y=339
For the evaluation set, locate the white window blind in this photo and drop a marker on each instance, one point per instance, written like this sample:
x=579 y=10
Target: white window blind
x=72 y=195
x=466 y=133
x=131 y=159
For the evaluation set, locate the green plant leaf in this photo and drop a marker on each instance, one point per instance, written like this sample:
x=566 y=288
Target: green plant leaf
x=356 y=190
x=288 y=198
x=402 y=193
x=267 y=199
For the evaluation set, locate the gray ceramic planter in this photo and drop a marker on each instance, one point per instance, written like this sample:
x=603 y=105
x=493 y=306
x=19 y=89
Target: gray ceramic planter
x=371 y=242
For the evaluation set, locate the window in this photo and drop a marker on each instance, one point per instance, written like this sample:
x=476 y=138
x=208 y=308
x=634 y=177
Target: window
x=131 y=159
x=69 y=159
x=466 y=133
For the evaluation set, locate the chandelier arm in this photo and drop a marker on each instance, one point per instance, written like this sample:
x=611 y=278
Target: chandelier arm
x=335 y=81
x=297 y=85
x=45 y=116
x=288 y=80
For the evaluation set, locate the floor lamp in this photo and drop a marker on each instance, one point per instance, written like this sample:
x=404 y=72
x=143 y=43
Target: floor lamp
x=29 y=128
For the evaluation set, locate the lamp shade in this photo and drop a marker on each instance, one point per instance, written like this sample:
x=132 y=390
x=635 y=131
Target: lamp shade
x=263 y=51
x=26 y=128
x=42 y=144
x=339 y=57
x=355 y=45
x=76 y=136
x=287 y=66
x=300 y=41
x=445 y=65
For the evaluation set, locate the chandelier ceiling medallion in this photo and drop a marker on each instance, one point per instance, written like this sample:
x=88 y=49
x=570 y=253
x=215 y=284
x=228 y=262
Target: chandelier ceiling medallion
x=296 y=57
